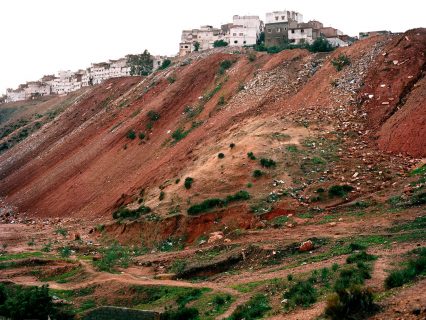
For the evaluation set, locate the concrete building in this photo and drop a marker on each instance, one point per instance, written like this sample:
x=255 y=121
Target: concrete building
x=157 y=61
x=100 y=72
x=283 y=16
x=364 y=35
x=244 y=31
x=276 y=34
x=118 y=68
x=330 y=32
x=337 y=42
x=205 y=36
x=13 y=95
x=305 y=32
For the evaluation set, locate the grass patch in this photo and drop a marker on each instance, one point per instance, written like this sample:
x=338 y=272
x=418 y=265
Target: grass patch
x=112 y=256
x=339 y=191
x=267 y=163
x=23 y=255
x=255 y=308
x=124 y=213
x=302 y=293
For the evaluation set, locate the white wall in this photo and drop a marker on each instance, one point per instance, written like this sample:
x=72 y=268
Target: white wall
x=299 y=36
x=282 y=16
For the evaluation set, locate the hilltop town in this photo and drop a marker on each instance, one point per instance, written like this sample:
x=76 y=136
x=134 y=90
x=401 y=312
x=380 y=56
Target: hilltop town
x=277 y=30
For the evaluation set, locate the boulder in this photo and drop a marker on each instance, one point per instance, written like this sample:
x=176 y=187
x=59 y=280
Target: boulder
x=306 y=246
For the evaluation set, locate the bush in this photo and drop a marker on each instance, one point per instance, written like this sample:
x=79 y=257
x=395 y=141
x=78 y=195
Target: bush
x=131 y=134
x=360 y=257
x=353 y=303
x=352 y=276
x=257 y=173
x=65 y=252
x=225 y=65
x=141 y=135
x=414 y=268
x=124 y=213
x=240 y=195
x=166 y=63
x=179 y=134
x=217 y=203
x=340 y=62
x=171 y=79
x=255 y=308
x=221 y=155
x=182 y=313
x=251 y=56
x=153 y=115
x=188 y=182
x=267 y=163
x=320 y=45
x=162 y=196
x=221 y=101
x=232 y=145
x=219 y=43
x=112 y=256
x=251 y=156
x=302 y=293
x=339 y=191
x=18 y=302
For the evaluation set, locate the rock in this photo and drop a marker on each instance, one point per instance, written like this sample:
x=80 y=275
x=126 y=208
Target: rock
x=332 y=224
x=227 y=240
x=306 y=246
x=215 y=236
x=97 y=257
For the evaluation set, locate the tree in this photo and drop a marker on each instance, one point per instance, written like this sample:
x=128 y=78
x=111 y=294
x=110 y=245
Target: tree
x=140 y=64
x=220 y=43
x=261 y=38
x=196 y=46
x=321 y=45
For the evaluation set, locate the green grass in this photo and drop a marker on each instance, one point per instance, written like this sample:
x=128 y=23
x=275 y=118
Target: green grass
x=209 y=204
x=302 y=293
x=63 y=277
x=212 y=305
x=23 y=255
x=255 y=308
x=414 y=268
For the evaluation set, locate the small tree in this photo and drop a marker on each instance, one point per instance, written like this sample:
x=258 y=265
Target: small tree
x=166 y=63
x=220 y=43
x=341 y=61
x=321 y=45
x=196 y=46
x=140 y=64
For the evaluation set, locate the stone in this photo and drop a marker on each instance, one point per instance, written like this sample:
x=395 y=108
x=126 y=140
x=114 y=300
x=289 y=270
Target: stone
x=215 y=236
x=306 y=246
x=165 y=276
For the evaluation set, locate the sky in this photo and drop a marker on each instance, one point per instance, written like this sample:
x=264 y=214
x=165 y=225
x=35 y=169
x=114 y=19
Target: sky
x=41 y=37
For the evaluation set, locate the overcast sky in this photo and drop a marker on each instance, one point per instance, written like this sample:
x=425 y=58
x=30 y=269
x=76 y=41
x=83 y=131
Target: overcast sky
x=43 y=36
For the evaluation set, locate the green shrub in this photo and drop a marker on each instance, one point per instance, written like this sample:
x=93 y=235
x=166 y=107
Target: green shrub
x=340 y=62
x=302 y=293
x=219 y=43
x=356 y=247
x=166 y=63
x=162 y=196
x=188 y=182
x=292 y=148
x=221 y=155
x=251 y=56
x=18 y=302
x=112 y=256
x=179 y=134
x=240 y=195
x=414 y=268
x=225 y=65
x=131 y=134
x=171 y=79
x=124 y=213
x=360 y=257
x=153 y=115
x=47 y=247
x=232 y=145
x=255 y=308
x=65 y=252
x=208 y=204
x=141 y=135
x=290 y=277
x=267 y=163
x=352 y=276
x=221 y=101
x=350 y=304
x=251 y=156
x=182 y=313
x=339 y=191
x=320 y=45
x=257 y=173
x=205 y=206
x=63 y=232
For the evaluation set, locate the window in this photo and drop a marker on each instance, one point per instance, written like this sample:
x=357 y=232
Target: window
x=269 y=30
x=302 y=30
x=236 y=41
x=278 y=29
x=276 y=18
x=292 y=31
x=282 y=17
x=234 y=34
x=244 y=42
x=241 y=34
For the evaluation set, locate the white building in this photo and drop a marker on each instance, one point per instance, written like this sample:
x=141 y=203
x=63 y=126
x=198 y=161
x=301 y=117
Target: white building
x=205 y=36
x=100 y=72
x=301 y=35
x=245 y=30
x=283 y=16
x=337 y=42
x=13 y=95
x=118 y=68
